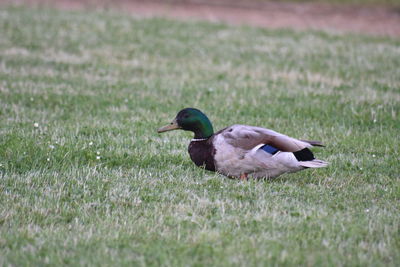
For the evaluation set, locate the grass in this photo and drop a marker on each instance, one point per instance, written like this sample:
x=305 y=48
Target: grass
x=86 y=180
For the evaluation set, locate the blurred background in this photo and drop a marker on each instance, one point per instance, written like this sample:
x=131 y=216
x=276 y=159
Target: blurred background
x=376 y=17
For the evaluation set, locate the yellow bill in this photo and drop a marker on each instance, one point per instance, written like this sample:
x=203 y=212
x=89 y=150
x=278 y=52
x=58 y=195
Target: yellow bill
x=172 y=126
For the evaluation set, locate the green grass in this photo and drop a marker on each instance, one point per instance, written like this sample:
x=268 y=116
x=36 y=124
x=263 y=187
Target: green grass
x=76 y=86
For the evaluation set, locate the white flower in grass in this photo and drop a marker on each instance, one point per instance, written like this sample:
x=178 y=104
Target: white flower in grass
x=98 y=152
x=48 y=159
x=373 y=155
x=36 y=125
x=51 y=146
x=90 y=143
x=98 y=157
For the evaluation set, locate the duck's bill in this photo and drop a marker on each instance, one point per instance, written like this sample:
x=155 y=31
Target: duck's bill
x=172 y=126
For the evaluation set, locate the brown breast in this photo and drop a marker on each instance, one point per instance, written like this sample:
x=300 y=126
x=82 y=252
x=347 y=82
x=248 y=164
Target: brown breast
x=202 y=153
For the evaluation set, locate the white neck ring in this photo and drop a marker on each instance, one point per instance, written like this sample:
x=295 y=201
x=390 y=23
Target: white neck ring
x=198 y=139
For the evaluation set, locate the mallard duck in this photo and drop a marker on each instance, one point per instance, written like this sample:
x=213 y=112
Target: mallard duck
x=242 y=151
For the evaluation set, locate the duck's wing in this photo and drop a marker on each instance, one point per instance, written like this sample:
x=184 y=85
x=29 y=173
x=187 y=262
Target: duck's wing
x=248 y=137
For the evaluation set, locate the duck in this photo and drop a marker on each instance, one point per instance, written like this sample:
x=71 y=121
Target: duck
x=243 y=151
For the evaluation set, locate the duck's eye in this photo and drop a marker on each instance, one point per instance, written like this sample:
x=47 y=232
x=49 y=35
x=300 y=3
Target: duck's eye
x=186 y=116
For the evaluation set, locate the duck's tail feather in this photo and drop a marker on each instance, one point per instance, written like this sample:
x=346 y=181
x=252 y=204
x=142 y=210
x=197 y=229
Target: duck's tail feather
x=315 y=163
x=313 y=143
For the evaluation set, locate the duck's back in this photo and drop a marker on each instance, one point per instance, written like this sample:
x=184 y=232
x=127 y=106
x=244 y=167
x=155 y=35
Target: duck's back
x=259 y=152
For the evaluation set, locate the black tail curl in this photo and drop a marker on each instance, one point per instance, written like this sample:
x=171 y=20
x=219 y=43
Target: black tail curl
x=304 y=155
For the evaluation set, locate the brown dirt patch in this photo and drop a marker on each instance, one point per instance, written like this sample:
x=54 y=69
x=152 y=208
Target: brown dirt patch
x=372 y=20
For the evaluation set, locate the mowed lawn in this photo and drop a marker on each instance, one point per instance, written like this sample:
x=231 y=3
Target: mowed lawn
x=86 y=180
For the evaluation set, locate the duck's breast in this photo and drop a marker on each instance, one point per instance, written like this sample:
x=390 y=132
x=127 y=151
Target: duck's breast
x=202 y=154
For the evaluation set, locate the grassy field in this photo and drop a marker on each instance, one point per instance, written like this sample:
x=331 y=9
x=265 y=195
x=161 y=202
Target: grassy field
x=86 y=180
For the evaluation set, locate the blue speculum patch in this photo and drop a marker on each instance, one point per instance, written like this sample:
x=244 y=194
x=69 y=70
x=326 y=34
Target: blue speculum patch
x=269 y=149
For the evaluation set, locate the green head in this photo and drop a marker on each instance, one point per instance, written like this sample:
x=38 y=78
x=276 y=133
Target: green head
x=191 y=119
